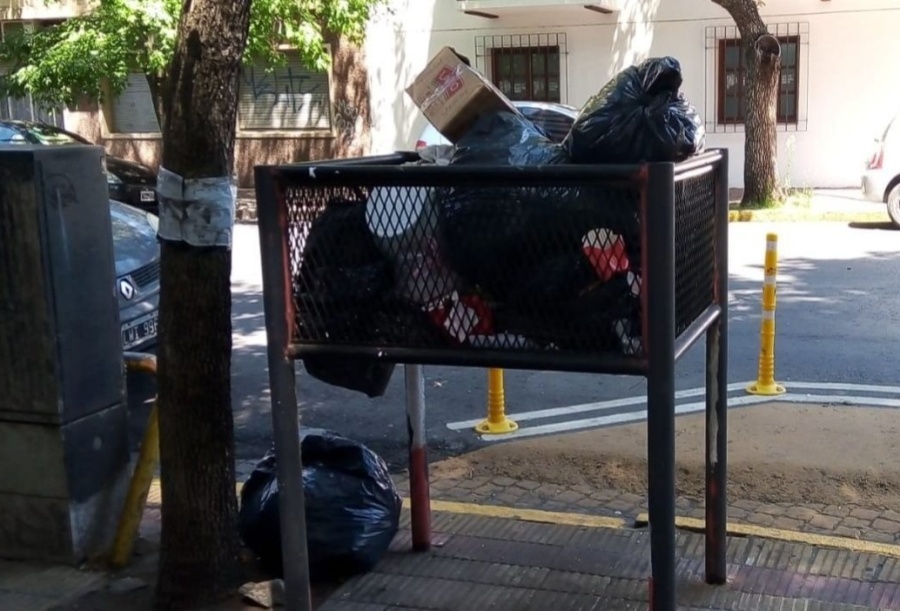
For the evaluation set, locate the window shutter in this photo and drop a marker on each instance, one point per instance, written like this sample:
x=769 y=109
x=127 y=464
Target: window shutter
x=290 y=97
x=133 y=111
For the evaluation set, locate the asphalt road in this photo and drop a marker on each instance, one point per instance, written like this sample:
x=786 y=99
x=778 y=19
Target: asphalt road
x=837 y=321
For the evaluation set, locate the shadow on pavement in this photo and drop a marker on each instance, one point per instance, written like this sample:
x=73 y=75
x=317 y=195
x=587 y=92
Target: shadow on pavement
x=886 y=226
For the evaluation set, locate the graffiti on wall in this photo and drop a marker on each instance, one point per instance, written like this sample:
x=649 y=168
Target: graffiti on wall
x=281 y=82
x=346 y=121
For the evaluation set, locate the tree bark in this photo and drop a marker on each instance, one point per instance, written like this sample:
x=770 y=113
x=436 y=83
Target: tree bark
x=157 y=85
x=200 y=549
x=762 y=55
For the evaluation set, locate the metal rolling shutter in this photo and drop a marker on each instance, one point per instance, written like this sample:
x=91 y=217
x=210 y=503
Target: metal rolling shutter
x=133 y=111
x=290 y=97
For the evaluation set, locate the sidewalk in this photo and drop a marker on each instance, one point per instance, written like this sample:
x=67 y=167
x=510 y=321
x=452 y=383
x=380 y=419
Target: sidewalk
x=540 y=518
x=504 y=564
x=493 y=548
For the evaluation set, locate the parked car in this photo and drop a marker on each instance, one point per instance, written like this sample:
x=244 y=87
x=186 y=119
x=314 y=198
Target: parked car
x=881 y=179
x=555 y=120
x=137 y=274
x=129 y=182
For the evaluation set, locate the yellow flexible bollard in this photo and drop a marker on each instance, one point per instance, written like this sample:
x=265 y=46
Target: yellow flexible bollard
x=765 y=382
x=496 y=423
x=144 y=469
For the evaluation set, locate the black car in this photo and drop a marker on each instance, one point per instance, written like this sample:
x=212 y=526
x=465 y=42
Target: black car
x=129 y=182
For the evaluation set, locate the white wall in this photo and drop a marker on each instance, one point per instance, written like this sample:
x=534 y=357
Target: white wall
x=850 y=78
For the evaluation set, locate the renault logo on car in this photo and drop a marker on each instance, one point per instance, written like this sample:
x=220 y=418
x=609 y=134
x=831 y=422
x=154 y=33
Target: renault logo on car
x=126 y=288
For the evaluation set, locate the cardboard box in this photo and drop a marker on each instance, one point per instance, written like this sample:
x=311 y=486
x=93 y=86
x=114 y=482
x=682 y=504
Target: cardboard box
x=451 y=94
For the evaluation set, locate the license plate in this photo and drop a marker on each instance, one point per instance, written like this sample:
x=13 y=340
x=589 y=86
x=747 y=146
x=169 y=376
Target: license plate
x=140 y=330
x=148 y=196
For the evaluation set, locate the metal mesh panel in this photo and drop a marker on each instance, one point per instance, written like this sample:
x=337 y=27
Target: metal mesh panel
x=695 y=231
x=458 y=262
x=534 y=269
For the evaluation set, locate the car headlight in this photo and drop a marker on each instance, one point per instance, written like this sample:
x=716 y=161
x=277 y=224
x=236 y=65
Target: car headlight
x=153 y=221
x=112 y=179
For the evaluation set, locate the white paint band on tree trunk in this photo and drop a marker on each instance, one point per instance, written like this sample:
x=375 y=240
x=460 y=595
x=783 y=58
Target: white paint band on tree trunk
x=197 y=211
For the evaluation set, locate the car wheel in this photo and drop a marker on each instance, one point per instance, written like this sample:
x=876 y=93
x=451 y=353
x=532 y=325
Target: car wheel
x=893 y=205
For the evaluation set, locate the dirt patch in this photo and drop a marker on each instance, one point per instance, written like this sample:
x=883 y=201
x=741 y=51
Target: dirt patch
x=777 y=453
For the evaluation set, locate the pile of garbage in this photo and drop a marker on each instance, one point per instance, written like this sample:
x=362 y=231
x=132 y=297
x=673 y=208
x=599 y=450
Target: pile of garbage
x=512 y=267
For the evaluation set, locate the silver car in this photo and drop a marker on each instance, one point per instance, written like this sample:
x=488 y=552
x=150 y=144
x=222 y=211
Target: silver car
x=137 y=274
x=881 y=179
x=555 y=120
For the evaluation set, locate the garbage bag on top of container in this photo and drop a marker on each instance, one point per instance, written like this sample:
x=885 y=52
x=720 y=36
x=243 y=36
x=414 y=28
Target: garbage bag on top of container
x=487 y=235
x=504 y=138
x=638 y=116
x=352 y=507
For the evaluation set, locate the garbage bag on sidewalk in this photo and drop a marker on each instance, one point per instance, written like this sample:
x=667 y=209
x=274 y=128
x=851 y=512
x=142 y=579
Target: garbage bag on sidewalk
x=352 y=507
x=636 y=117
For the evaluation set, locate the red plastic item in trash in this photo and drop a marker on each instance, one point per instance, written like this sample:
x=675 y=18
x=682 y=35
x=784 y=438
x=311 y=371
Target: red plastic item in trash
x=606 y=252
x=463 y=316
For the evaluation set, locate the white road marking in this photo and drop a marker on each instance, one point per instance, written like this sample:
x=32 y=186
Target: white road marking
x=641 y=415
x=887 y=390
x=587 y=407
x=600 y=406
x=689 y=408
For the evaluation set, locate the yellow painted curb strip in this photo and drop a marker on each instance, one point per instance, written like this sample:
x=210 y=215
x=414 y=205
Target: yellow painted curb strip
x=525 y=515
x=792 y=536
x=488 y=511
x=801 y=215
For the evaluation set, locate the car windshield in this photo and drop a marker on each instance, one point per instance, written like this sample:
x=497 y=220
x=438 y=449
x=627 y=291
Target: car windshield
x=46 y=134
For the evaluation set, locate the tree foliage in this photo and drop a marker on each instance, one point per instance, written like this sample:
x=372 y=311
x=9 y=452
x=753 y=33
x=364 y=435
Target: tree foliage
x=93 y=54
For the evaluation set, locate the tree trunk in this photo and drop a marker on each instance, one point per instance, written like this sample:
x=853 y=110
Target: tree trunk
x=200 y=550
x=157 y=85
x=762 y=55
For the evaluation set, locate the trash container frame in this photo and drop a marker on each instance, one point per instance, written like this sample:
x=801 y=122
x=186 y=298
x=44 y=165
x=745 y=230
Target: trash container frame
x=663 y=346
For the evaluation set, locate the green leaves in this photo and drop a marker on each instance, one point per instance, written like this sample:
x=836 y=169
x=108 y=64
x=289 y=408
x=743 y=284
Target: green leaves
x=93 y=54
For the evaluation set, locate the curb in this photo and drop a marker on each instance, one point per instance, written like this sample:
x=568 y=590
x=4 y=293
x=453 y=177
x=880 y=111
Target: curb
x=734 y=529
x=525 y=515
x=795 y=215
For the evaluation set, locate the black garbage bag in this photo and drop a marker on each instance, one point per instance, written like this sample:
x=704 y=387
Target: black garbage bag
x=362 y=375
x=486 y=233
x=504 y=138
x=497 y=239
x=342 y=281
x=638 y=116
x=591 y=318
x=352 y=507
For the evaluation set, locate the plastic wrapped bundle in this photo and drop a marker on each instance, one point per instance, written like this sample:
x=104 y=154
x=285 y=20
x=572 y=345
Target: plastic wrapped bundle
x=638 y=116
x=352 y=507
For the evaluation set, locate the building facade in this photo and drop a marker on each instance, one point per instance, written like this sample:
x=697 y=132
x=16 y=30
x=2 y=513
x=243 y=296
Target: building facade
x=289 y=113
x=840 y=79
x=839 y=82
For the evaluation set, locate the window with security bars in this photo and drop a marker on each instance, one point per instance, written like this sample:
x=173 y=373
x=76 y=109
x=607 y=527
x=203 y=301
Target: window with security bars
x=732 y=66
x=527 y=73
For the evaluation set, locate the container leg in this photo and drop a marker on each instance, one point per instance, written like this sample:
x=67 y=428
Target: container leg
x=717 y=398
x=291 y=501
x=419 y=489
x=661 y=479
x=659 y=223
x=716 y=454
